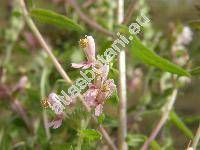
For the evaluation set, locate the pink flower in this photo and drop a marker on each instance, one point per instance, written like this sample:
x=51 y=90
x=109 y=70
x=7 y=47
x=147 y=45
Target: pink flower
x=98 y=110
x=83 y=65
x=56 y=123
x=90 y=96
x=100 y=91
x=90 y=49
x=102 y=88
x=111 y=84
x=54 y=103
x=88 y=46
x=102 y=74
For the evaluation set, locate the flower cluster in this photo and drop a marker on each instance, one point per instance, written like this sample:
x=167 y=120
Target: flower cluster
x=99 y=89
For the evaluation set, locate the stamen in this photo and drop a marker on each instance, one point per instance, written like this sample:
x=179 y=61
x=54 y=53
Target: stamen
x=105 y=88
x=83 y=42
x=45 y=103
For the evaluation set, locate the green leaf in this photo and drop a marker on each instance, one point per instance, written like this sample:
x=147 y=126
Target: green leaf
x=50 y=17
x=149 y=57
x=137 y=140
x=180 y=124
x=195 y=72
x=90 y=134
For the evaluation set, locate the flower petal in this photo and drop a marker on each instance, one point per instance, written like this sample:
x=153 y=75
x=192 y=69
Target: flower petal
x=90 y=49
x=78 y=65
x=105 y=71
x=83 y=65
x=92 y=86
x=56 y=123
x=111 y=84
x=98 y=110
x=87 y=65
x=101 y=97
x=90 y=97
x=55 y=104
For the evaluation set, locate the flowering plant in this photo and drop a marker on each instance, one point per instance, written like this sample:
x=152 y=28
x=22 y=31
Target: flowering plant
x=99 y=90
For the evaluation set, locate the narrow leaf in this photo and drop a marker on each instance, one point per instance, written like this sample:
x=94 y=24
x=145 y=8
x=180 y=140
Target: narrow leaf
x=195 y=72
x=90 y=134
x=149 y=57
x=50 y=17
x=180 y=124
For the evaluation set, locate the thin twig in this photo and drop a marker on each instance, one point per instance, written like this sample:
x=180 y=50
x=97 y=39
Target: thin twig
x=87 y=3
x=122 y=130
x=131 y=9
x=59 y=68
x=88 y=20
x=43 y=43
x=168 y=107
x=196 y=139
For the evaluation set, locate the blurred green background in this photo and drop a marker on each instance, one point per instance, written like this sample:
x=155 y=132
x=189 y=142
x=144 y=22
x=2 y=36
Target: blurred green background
x=27 y=75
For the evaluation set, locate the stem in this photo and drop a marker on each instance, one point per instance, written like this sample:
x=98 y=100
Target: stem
x=43 y=43
x=42 y=93
x=122 y=131
x=59 y=67
x=168 y=107
x=87 y=3
x=133 y=6
x=88 y=20
x=80 y=137
x=196 y=139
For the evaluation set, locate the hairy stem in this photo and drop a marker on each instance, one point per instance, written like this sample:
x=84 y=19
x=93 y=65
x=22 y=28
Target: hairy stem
x=168 y=107
x=122 y=131
x=59 y=67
